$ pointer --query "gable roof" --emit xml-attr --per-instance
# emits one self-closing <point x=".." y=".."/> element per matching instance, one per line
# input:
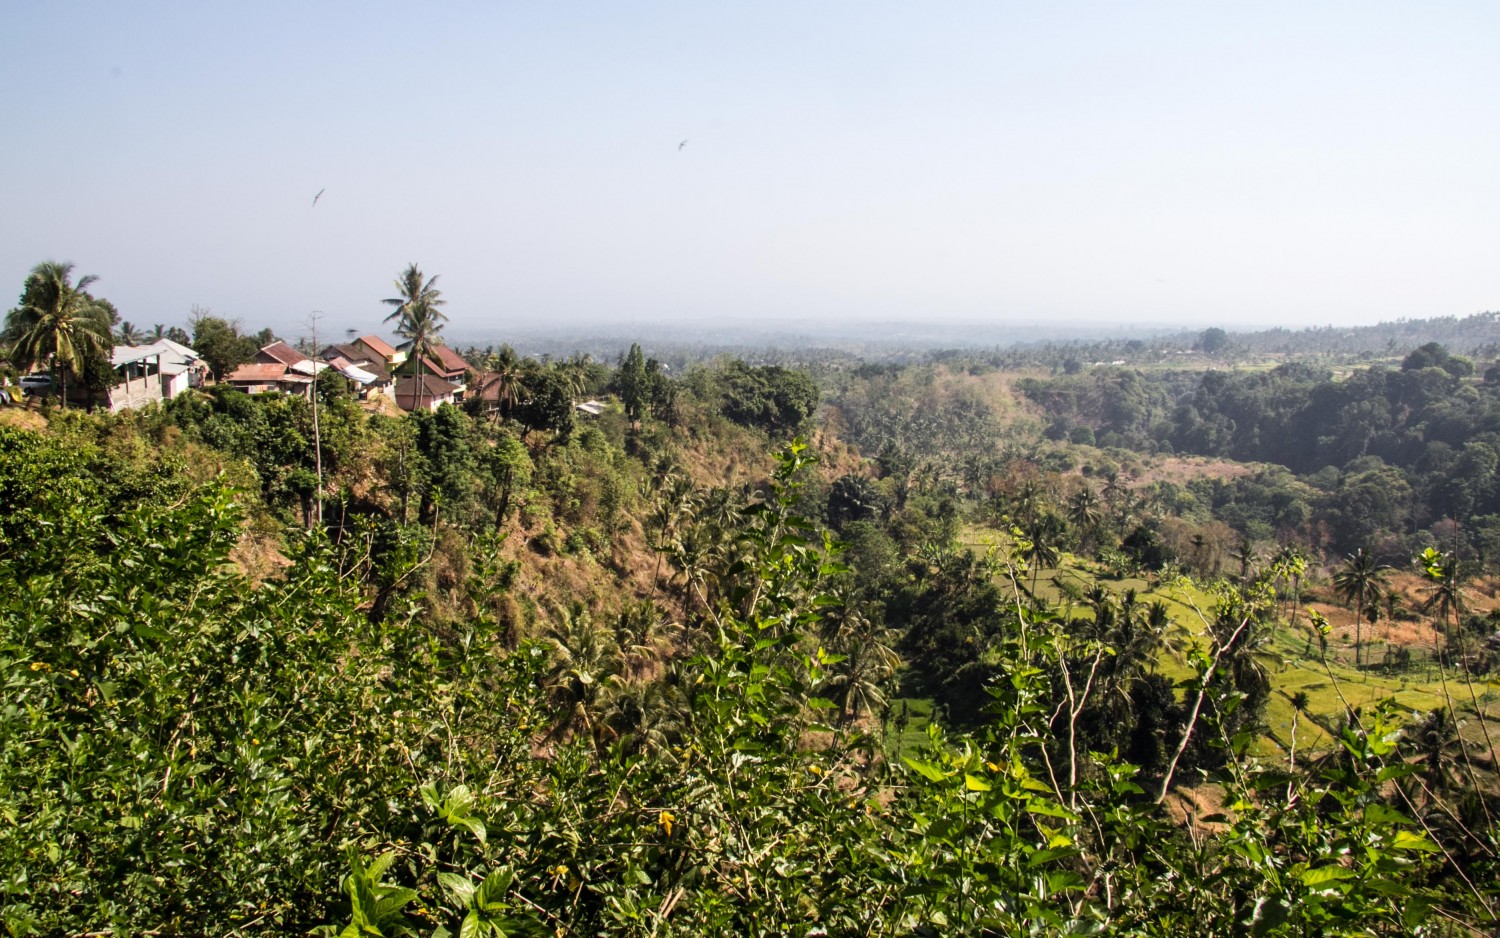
<point x="175" y="358"/>
<point x="283" y="353"/>
<point x="378" y="345"/>
<point x="361" y="356"/>
<point x="486" y="386"/>
<point x="432" y="387"/>
<point x="349" y="350"/>
<point x="451" y="360"/>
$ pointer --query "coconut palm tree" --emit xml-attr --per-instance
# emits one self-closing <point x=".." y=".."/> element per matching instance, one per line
<point x="643" y="636"/>
<point x="859" y="680"/>
<point x="1448" y="597"/>
<point x="1436" y="741"/>
<point x="644" y="717"/>
<point x="1359" y="581"/>
<point x="1042" y="545"/>
<point x="1086" y="514"/>
<point x="417" y="317"/>
<point x="58" y="322"/>
<point x="583" y="657"/>
<point x="507" y="377"/>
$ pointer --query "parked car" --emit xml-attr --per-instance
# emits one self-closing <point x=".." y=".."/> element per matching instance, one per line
<point x="36" y="384"/>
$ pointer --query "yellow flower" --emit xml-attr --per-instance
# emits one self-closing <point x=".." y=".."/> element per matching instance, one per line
<point x="665" y="820"/>
<point x="40" y="666"/>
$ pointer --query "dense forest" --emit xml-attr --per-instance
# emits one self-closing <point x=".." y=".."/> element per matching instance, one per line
<point x="955" y="646"/>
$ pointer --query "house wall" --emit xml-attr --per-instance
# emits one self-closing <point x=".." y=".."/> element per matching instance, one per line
<point x="136" y="392"/>
<point x="408" y="402"/>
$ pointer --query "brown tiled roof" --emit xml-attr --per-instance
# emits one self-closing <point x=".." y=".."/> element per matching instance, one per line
<point x="379" y="345"/>
<point x="431" y="365"/>
<point x="451" y="360"/>
<point x="283" y="353"/>
<point x="347" y="350"/>
<point x="485" y="386"/>
<point x="435" y="387"/>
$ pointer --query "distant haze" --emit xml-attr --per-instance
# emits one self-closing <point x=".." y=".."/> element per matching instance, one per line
<point x="1141" y="165"/>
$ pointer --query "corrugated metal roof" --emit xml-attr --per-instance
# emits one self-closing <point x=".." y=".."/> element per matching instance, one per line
<point x="283" y="353"/>
<point x="357" y="374"/>
<point x="258" y="372"/>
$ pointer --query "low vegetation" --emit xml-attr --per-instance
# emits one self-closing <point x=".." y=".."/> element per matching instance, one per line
<point x="929" y="660"/>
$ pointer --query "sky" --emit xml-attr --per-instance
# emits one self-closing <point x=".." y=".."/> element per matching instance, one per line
<point x="1275" y="163"/>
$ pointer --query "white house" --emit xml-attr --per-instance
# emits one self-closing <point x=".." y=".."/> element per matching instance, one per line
<point x="156" y="372"/>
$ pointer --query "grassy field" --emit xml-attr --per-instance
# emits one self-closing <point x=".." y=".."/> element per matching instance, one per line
<point x="1294" y="662"/>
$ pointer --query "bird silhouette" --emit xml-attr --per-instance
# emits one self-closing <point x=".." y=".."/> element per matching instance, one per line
<point x="319" y="195"/>
<point x="682" y="144"/>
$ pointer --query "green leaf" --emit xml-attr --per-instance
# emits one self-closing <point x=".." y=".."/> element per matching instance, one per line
<point x="926" y="769"/>
<point x="471" y="926"/>
<point x="1412" y="840"/>
<point x="1047" y="808"/>
<point x="459" y="886"/>
<point x="975" y="783"/>
<point x="1325" y="874"/>
<point x="493" y="890"/>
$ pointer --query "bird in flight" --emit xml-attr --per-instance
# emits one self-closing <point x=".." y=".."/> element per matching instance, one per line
<point x="319" y="195"/>
<point x="682" y="144"/>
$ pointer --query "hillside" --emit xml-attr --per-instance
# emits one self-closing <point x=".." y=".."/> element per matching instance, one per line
<point x="669" y="669"/>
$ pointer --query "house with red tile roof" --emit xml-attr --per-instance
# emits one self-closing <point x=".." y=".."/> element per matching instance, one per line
<point x="381" y="349"/>
<point x="444" y="363"/>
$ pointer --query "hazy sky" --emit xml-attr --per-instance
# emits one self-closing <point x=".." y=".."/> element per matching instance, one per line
<point x="1202" y="163"/>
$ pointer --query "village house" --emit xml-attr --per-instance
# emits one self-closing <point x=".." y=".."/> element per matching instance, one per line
<point x="378" y="348"/>
<point x="357" y="362"/>
<point x="156" y="372"/>
<point x="424" y="391"/>
<point x="444" y="363"/>
<point x="277" y="367"/>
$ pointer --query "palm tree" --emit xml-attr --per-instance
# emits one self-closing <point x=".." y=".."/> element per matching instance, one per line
<point x="128" y="334"/>
<point x="417" y="317"/>
<point x="643" y="635"/>
<point x="1247" y="555"/>
<point x="1086" y="515"/>
<point x="574" y="372"/>
<point x="1359" y="581"/>
<point x="58" y="322"/>
<point x="1042" y="546"/>
<point x="1435" y="738"/>
<point x="583" y="657"/>
<point x="869" y="663"/>
<point x="644" y="716"/>
<point x="159" y="332"/>
<point x="1447" y="596"/>
<point x="507" y="377"/>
